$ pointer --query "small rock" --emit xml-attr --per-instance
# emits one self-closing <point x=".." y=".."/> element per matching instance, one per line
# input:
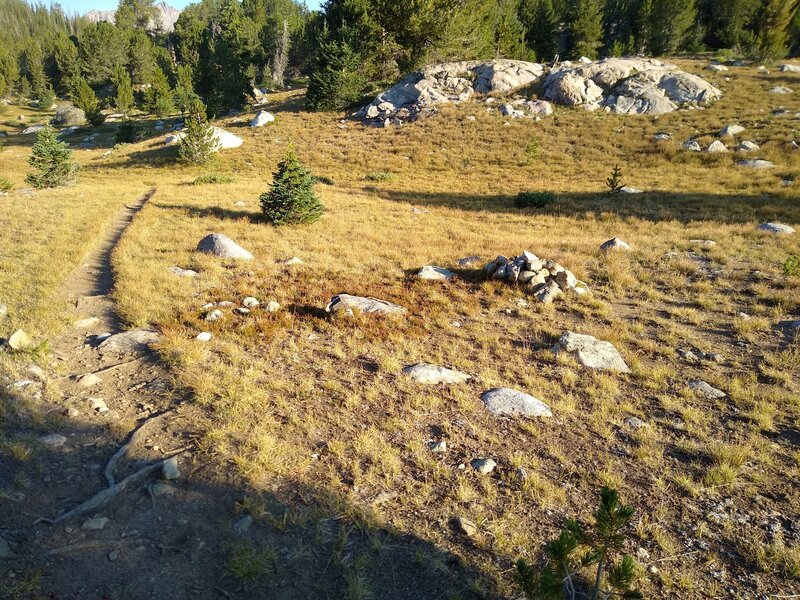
<point x="89" y="380"/>
<point x="19" y="340"/>
<point x="242" y="525"/>
<point x="548" y="293"/>
<point x="439" y="447"/>
<point x="511" y="402"/>
<point x="692" y="146"/>
<point x="703" y="242"/>
<point x="214" y="315"/>
<point x="71" y="412"/>
<point x="635" y="422"/>
<point x="85" y="323"/>
<point x="3" y="311"/>
<point x="780" y="89"/>
<point x="239" y="310"/>
<point x="162" y="489"/>
<point x="630" y="190"/>
<point x="250" y="302"/>
<point x="434" y="374"/>
<point x="431" y="273"/>
<point x="53" y="440"/>
<point x="731" y="130"/>
<point x="703" y="389"/>
<point x="169" y="469"/>
<point x="204" y="336"/>
<point x="464" y="526"/>
<point x="747" y="146"/>
<point x="777" y="228"/>
<point x="295" y="260"/>
<point x="98" y="405"/>
<point x="222" y="246"/>
<point x="273" y="306"/>
<point x="36" y="372"/>
<point x="591" y="352"/>
<point x="113" y="555"/>
<point x="183" y="272"/>
<point x="467" y="261"/>
<point x="5" y="550"/>
<point x="716" y="147"/>
<point x="614" y="244"/>
<point x="348" y="305"/>
<point x="484" y="466"/>
<point x="385" y="497"/>
<point x="95" y="524"/>
<point x="756" y="164"/>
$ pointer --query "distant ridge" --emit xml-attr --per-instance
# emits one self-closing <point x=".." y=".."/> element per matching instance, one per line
<point x="169" y="14"/>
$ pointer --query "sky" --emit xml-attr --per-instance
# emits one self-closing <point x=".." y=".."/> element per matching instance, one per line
<point x="82" y="6"/>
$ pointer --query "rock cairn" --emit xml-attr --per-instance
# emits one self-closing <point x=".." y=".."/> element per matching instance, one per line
<point x="545" y="279"/>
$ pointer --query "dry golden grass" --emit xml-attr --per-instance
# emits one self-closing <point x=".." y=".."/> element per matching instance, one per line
<point x="297" y="398"/>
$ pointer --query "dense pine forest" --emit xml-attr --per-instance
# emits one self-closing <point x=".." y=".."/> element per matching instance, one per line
<point x="221" y="49"/>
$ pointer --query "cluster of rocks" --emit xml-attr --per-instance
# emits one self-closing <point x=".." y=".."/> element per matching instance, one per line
<point x="544" y="278"/>
<point x="212" y="310"/>
<point x="619" y="85"/>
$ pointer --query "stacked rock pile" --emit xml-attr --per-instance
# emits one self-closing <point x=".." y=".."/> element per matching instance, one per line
<point x="545" y="279"/>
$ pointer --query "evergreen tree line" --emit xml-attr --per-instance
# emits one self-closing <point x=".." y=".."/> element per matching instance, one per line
<point x="220" y="49"/>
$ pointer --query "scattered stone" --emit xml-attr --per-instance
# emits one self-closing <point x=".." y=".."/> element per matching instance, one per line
<point x="484" y="466"/>
<point x="662" y="137"/>
<point x="98" y="405"/>
<point x="703" y="389"/>
<point x="5" y="550"/>
<point x="113" y="555"/>
<point x="731" y="130"/>
<point x="183" y="272"/>
<point x="755" y="164"/>
<point x="434" y="374"/>
<point x="130" y="342"/>
<point x="20" y="385"/>
<point x="780" y="89"/>
<point x="510" y="402"/>
<point x="54" y="440"/>
<point x="789" y="68"/>
<point x="349" y="305"/>
<point x="692" y="146"/>
<point x="32" y="129"/>
<point x="239" y="310"/>
<point x="548" y="293"/>
<point x="791" y="329"/>
<point x="467" y="261"/>
<point x="432" y="273"/>
<point x="273" y="306"/>
<point x="699" y="242"/>
<point x="69" y="116"/>
<point x="295" y="260"/>
<point x="89" y="380"/>
<point x="464" y="526"/>
<point x="242" y="525"/>
<point x="169" y="469"/>
<point x="3" y="311"/>
<point x="716" y="147"/>
<point x="19" y="341"/>
<point x="747" y="146"/>
<point x="717" y="68"/>
<point x="250" y="302"/>
<point x="635" y="422"/>
<point x="222" y="246"/>
<point x="614" y="244"/>
<point x="630" y="190"/>
<point x="95" y="524"/>
<point x="591" y="352"/>
<point x="545" y="279"/>
<point x="776" y="228"/>
<point x="86" y="323"/>
<point x="439" y="447"/>
<point x="385" y="497"/>
<point x="162" y="489"/>
<point x="203" y="336"/>
<point x="36" y="372"/>
<point x="262" y="118"/>
<point x="214" y="315"/>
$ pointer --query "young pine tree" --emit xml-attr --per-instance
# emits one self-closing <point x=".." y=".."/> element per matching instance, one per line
<point x="291" y="198"/>
<point x="337" y="80"/>
<point x="586" y="28"/>
<point x="83" y="97"/>
<point x="158" y="97"/>
<point x="198" y="142"/>
<point x="51" y="161"/>
<point x="124" y="87"/>
<point x="772" y="23"/>
<point x="184" y="89"/>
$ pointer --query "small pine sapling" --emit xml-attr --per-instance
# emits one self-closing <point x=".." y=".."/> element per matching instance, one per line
<point x="198" y="142"/>
<point x="614" y="182"/>
<point x="291" y="198"/>
<point x="579" y="547"/>
<point x="51" y="161"/>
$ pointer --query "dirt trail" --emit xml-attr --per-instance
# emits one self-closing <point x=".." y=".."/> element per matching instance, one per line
<point x="155" y="542"/>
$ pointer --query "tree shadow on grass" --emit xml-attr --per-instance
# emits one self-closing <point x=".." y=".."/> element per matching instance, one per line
<point x="206" y="534"/>
<point x="649" y="206"/>
<point x="216" y="212"/>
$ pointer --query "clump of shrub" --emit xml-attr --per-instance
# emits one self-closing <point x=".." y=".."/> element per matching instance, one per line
<point x="291" y="198"/>
<point x="324" y="180"/>
<point x="213" y="178"/>
<point x="791" y="268"/>
<point x="51" y="161"/>
<point x="531" y="150"/>
<point x="128" y="132"/>
<point x="534" y="199"/>
<point x="5" y="185"/>
<point x="379" y="176"/>
<point x="579" y="547"/>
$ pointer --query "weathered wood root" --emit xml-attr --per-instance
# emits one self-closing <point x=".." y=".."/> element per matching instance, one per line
<point x="108" y="472"/>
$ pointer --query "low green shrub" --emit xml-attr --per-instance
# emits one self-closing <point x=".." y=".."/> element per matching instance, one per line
<point x="213" y="178"/>
<point x="379" y="176"/>
<point x="5" y="185"/>
<point x="791" y="268"/>
<point x="534" y="199"/>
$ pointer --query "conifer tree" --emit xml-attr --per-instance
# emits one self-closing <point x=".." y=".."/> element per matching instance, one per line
<point x="123" y="100"/>
<point x="184" y="90"/>
<point x="83" y="97"/>
<point x="772" y="28"/>
<point x="541" y="25"/>
<point x="670" y="21"/>
<point x="337" y="80"/>
<point x="586" y="28"/>
<point x="33" y="59"/>
<point x="197" y="142"/>
<point x="291" y="198"/>
<point x="51" y="161"/>
<point x="158" y="97"/>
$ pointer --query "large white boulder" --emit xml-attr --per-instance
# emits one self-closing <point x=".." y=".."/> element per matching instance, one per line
<point x="218" y="244"/>
<point x="222" y="139"/>
<point x="503" y="401"/>
<point x="262" y="118"/>
<point x="350" y="305"/>
<point x="591" y="352"/>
